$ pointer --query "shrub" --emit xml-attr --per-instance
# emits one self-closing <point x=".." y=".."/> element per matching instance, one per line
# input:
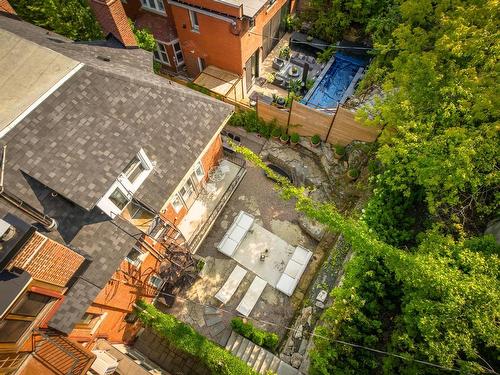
<point x="295" y="138"/>
<point x="339" y="150"/>
<point x="285" y="52"/>
<point x="143" y="37"/>
<point x="315" y="139"/>
<point x="183" y="337"/>
<point x="276" y="133"/>
<point x="258" y="336"/>
<point x="252" y="123"/>
<point x="285" y="137"/>
<point x="353" y="173"/>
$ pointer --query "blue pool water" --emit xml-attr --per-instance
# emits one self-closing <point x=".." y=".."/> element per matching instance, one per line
<point x="334" y="82"/>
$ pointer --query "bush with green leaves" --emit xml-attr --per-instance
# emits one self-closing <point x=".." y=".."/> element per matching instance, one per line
<point x="295" y="138"/>
<point x="184" y="338"/>
<point x="277" y="132"/>
<point x="71" y="18"/>
<point x="285" y="137"/>
<point x="250" y="121"/>
<point x="258" y="336"/>
<point x="143" y="37"/>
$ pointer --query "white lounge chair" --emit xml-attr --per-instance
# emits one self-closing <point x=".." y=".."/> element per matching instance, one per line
<point x="235" y="234"/>
<point x="294" y="270"/>
<point x="233" y="281"/>
<point x="251" y="296"/>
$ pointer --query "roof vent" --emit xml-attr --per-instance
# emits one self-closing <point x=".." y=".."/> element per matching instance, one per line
<point x="7" y="231"/>
<point x="104" y="58"/>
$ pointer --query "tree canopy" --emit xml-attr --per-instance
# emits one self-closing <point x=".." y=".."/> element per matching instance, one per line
<point x="72" y="18"/>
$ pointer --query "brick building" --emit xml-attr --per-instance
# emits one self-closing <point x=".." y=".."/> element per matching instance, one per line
<point x="103" y="158"/>
<point x="234" y="35"/>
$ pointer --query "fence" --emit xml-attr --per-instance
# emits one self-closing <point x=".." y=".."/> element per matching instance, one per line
<point x="337" y="128"/>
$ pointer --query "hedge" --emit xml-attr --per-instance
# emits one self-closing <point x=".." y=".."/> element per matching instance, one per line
<point x="253" y="124"/>
<point x="258" y="336"/>
<point x="182" y="336"/>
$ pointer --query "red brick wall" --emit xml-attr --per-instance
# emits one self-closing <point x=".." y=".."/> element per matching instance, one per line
<point x="214" y="42"/>
<point x="112" y="18"/>
<point x="6" y="7"/>
<point x="208" y="160"/>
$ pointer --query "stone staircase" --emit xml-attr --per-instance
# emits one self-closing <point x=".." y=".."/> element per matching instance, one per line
<point x="258" y="358"/>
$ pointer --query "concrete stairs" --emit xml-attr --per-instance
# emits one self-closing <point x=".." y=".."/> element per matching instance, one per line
<point x="258" y="358"/>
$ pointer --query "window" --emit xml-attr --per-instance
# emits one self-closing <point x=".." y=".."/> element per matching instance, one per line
<point x="18" y="321"/>
<point x="160" y="54"/>
<point x="193" y="16"/>
<point x="31" y="304"/>
<point x="153" y="5"/>
<point x="177" y="203"/>
<point x="202" y="64"/>
<point x="187" y="190"/>
<point x="198" y="171"/>
<point x="271" y="3"/>
<point x="136" y="257"/>
<point x="155" y="281"/>
<point x="179" y="57"/>
<point x="134" y="169"/>
<point x="12" y="330"/>
<point x="119" y="199"/>
<point x="126" y="184"/>
<point x="87" y="319"/>
<point x="251" y="23"/>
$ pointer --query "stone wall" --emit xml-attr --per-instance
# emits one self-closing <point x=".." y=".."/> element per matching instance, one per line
<point x="159" y="350"/>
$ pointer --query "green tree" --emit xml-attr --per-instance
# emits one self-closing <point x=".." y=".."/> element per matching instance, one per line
<point x="143" y="37"/>
<point x="70" y="18"/>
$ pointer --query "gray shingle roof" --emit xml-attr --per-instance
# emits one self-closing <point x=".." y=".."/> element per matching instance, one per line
<point x="67" y="152"/>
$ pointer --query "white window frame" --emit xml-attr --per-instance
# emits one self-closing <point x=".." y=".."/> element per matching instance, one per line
<point x="126" y="187"/>
<point x="178" y="207"/>
<point x="162" y="60"/>
<point x="177" y="61"/>
<point x="150" y="282"/>
<point x="195" y="26"/>
<point x="199" y="167"/>
<point x="200" y="65"/>
<point x="140" y="259"/>
<point x="156" y="7"/>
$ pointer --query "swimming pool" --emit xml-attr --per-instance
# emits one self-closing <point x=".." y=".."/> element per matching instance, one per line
<point x="336" y="82"/>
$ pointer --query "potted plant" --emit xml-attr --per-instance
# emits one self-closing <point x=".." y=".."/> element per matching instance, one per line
<point x="339" y="151"/>
<point x="353" y="173"/>
<point x="284" y="138"/>
<point x="276" y="133"/>
<point x="294" y="139"/>
<point x="280" y="101"/>
<point x="315" y="140"/>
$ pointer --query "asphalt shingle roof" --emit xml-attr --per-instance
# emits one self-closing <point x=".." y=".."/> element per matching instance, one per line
<point x="69" y="150"/>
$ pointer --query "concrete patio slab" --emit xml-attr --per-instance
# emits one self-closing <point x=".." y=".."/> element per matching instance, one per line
<point x="256" y="242"/>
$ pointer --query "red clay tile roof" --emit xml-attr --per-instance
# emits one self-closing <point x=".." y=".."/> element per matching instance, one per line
<point x="162" y="27"/>
<point x="47" y="260"/>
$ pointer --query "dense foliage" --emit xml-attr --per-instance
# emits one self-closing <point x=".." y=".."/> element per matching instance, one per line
<point x="260" y="337"/>
<point x="182" y="336"/>
<point x="70" y="18"/>
<point x="424" y="284"/>
<point x="143" y="37"/>
<point x="438" y="302"/>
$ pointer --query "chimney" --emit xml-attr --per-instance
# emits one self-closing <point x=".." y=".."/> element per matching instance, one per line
<point x="113" y="20"/>
<point x="6" y="7"/>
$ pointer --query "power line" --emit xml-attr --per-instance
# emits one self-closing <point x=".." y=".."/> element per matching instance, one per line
<point x="342" y="342"/>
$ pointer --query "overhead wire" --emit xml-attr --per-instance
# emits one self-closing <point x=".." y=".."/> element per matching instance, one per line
<point x="313" y="334"/>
